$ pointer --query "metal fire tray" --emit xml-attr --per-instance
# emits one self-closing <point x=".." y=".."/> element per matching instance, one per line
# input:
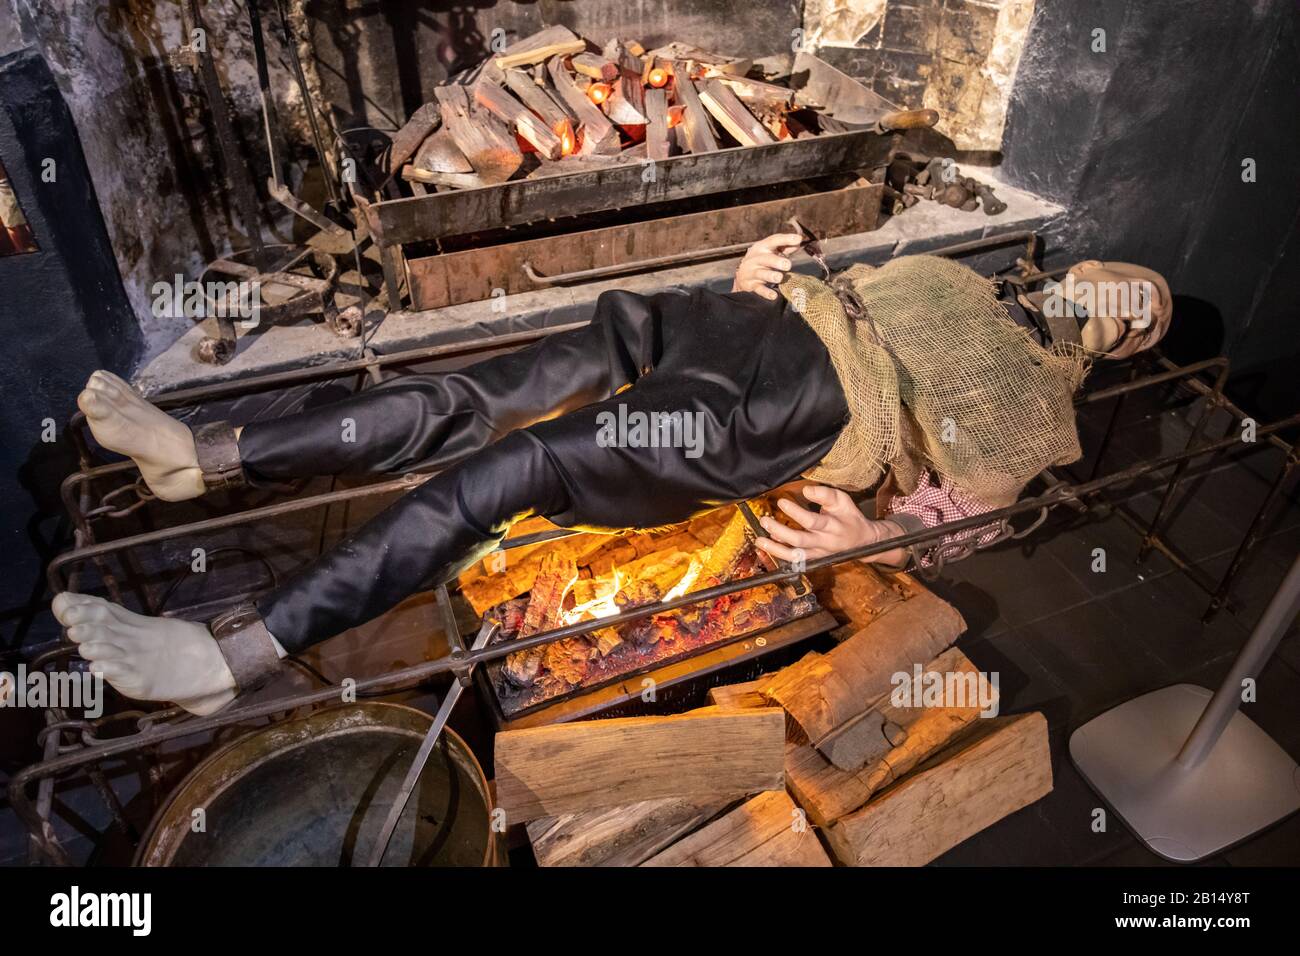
<point x="517" y="202"/>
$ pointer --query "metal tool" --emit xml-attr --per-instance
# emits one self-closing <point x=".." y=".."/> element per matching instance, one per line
<point x="848" y="101"/>
<point x="435" y="729"/>
<point x="798" y="586"/>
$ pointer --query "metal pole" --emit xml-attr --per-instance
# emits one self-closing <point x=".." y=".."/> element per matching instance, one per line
<point x="1263" y="641"/>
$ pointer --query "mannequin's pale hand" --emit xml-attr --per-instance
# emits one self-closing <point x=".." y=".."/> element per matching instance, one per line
<point x="839" y="526"/>
<point x="765" y="264"/>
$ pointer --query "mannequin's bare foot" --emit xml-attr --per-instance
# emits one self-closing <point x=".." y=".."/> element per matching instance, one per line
<point x="161" y="447"/>
<point x="148" y="658"/>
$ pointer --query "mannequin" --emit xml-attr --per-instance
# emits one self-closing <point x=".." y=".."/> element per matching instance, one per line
<point x="511" y="437"/>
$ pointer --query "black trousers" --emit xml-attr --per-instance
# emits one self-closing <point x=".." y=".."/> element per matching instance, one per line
<point x="663" y="407"/>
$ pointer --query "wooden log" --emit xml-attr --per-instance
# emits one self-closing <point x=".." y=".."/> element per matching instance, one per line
<point x="684" y="51"/>
<point x="1004" y="765"/>
<point x="616" y="836"/>
<point x="736" y="68"/>
<point x="413" y="174"/>
<point x="822" y="692"/>
<point x="619" y="52"/>
<point x="522" y="120"/>
<point x="596" y="67"/>
<point x="536" y="97"/>
<point x="732" y="116"/>
<point x="439" y="154"/>
<point x="695" y="120"/>
<point x="827" y="792"/>
<point x="554" y="41"/>
<point x="487" y="144"/>
<point x="758" y="93"/>
<point x="626" y="104"/>
<point x="857" y="593"/>
<point x="407" y="140"/>
<point x="768" y="830"/>
<point x="748" y="694"/>
<point x="598" y="133"/>
<point x="587" y="765"/>
<point x="545" y="612"/>
<point x="865" y="739"/>
<point x="633" y="155"/>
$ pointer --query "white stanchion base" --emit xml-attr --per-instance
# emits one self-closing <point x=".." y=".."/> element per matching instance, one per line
<point x="1246" y="783"/>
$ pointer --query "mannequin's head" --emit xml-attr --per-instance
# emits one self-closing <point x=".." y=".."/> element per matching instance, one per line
<point x="1128" y="307"/>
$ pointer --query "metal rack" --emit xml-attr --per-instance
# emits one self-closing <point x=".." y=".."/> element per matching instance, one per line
<point x="71" y="743"/>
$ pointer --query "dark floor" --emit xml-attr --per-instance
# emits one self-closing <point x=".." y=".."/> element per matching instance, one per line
<point x="1063" y="639"/>
<point x="1073" y="643"/>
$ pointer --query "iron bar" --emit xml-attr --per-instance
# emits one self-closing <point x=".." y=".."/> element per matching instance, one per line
<point x="1059" y="494"/>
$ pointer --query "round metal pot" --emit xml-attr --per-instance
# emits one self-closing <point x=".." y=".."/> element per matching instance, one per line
<point x="314" y="791"/>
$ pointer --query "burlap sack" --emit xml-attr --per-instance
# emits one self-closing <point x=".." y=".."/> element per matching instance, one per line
<point x="937" y="377"/>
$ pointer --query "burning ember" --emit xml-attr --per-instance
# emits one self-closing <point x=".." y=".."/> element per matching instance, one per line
<point x="598" y="92"/>
<point x="587" y="578"/>
<point x="564" y="130"/>
<point x="657" y="77"/>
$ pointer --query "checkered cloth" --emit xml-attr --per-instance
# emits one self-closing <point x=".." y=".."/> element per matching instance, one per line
<point x="937" y="501"/>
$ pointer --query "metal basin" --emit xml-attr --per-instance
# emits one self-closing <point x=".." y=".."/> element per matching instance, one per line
<point x="314" y="791"/>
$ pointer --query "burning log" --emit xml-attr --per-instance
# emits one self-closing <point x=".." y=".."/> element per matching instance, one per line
<point x="486" y="143"/>
<point x="731" y="114"/>
<point x="626" y="105"/>
<point x="523" y="121"/>
<point x="656" y="137"/>
<point x="554" y="41"/>
<point x="695" y="128"/>
<point x="725" y="555"/>
<point x="598" y="133"/>
<point x="545" y="613"/>
<point x="656" y="74"/>
<point x="537" y="98"/>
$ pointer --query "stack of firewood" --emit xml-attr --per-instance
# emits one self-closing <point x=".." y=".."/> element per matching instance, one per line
<point x="552" y="103"/>
<point x="817" y="763"/>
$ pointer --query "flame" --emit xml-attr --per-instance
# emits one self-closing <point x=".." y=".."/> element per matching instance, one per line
<point x="675" y="114"/>
<point x="598" y="607"/>
<point x="687" y="580"/>
<point x="564" y="130"/>
<point x="658" y="77"/>
<point x="598" y="92"/>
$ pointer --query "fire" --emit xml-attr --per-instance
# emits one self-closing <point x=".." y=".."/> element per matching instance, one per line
<point x="675" y="114"/>
<point x="598" y="92"/>
<point x="658" y="77"/>
<point x="564" y="130"/>
<point x="601" y="606"/>
<point x="687" y="582"/>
